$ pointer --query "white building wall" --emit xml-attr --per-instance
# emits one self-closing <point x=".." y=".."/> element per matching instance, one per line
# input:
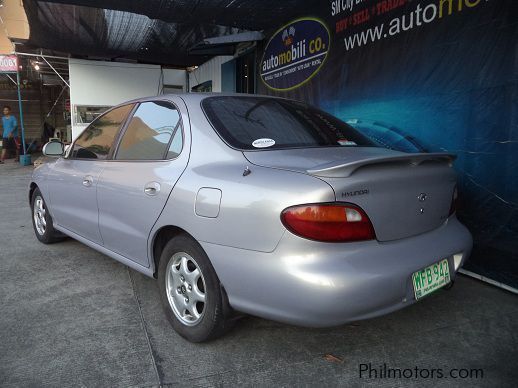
<point x="209" y="71"/>
<point x="175" y="77"/>
<point x="111" y="83"/>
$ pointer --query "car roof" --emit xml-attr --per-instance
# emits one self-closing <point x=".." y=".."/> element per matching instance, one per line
<point x="195" y="97"/>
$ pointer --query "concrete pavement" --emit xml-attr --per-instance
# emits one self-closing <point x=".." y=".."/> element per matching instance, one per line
<point x="70" y="316"/>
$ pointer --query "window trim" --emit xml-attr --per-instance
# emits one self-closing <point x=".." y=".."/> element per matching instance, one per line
<point x="110" y="154"/>
<point x="123" y="129"/>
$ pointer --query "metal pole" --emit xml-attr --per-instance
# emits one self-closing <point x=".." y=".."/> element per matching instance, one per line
<point x="8" y="76"/>
<point x="40" y="55"/>
<point x="55" y="71"/>
<point x="21" y="112"/>
<point x="55" y="102"/>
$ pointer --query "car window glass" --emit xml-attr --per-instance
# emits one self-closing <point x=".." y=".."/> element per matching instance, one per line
<point x="176" y="145"/>
<point x="149" y="132"/>
<point x="252" y="123"/>
<point x="96" y="140"/>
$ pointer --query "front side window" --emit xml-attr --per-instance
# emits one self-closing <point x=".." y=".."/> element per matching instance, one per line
<point x="251" y="123"/>
<point x="96" y="140"/>
<point x="149" y="132"/>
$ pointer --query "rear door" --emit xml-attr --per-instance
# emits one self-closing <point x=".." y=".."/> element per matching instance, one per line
<point x="134" y="186"/>
<point x="73" y="180"/>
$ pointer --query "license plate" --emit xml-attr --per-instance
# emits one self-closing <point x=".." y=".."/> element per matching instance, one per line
<point x="431" y="278"/>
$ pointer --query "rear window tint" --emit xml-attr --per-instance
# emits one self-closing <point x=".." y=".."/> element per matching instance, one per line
<point x="252" y="123"/>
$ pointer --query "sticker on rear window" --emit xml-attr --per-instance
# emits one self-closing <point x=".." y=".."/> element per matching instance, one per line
<point x="263" y="143"/>
<point x="346" y="142"/>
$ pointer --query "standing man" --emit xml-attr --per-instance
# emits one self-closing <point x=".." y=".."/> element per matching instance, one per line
<point x="10" y="127"/>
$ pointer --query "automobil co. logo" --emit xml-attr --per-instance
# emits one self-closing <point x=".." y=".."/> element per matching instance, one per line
<point x="294" y="54"/>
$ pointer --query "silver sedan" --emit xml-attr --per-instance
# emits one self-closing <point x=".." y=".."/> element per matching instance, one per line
<point x="252" y="204"/>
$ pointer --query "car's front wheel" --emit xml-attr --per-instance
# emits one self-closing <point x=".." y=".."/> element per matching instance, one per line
<point x="42" y="221"/>
<point x="190" y="291"/>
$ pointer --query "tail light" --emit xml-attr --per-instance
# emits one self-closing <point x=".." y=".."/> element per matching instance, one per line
<point x="328" y="222"/>
<point x="453" y="206"/>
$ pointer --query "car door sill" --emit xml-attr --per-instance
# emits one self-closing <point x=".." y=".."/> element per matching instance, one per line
<point x="137" y="267"/>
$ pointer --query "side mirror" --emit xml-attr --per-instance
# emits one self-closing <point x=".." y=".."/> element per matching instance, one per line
<point x="53" y="149"/>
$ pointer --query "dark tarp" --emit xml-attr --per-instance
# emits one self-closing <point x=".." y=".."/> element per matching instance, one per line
<point x="447" y="83"/>
<point x="152" y="31"/>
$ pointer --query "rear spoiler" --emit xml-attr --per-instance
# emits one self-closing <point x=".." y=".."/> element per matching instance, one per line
<point x="341" y="170"/>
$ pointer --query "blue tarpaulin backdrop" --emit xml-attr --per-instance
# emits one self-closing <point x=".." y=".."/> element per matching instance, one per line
<point x="443" y="75"/>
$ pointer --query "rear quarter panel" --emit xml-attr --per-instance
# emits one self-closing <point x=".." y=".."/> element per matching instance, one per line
<point x="249" y="214"/>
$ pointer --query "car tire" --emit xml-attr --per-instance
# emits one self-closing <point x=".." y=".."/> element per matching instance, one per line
<point x="42" y="220"/>
<point x="190" y="291"/>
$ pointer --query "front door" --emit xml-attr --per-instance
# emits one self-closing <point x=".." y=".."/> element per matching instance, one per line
<point x="73" y="180"/>
<point x="134" y="186"/>
<point x="72" y="186"/>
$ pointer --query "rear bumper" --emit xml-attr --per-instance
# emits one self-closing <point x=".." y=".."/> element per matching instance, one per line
<point x="326" y="284"/>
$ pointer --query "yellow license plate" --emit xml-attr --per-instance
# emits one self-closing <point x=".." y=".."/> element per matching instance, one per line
<point x="431" y="278"/>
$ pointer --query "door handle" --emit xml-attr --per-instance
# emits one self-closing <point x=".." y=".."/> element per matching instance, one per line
<point x="152" y="188"/>
<point x="87" y="181"/>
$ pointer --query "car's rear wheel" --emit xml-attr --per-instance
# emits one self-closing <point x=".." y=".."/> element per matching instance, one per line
<point x="42" y="220"/>
<point x="190" y="291"/>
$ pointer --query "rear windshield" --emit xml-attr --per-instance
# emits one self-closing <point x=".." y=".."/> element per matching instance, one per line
<point x="252" y="123"/>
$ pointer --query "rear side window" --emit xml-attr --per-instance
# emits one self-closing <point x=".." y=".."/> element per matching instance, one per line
<point x="96" y="140"/>
<point x="176" y="145"/>
<point x="149" y="133"/>
<point x="251" y="123"/>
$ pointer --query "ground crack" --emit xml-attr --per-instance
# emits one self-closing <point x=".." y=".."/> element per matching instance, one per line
<point x="143" y="323"/>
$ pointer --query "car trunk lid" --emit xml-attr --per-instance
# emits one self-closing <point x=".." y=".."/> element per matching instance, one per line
<point x="403" y="194"/>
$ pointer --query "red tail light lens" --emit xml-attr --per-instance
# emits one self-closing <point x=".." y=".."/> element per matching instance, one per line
<point x="453" y="206"/>
<point x="328" y="222"/>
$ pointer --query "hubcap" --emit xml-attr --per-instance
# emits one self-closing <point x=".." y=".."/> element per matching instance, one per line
<point x="185" y="288"/>
<point x="39" y="212"/>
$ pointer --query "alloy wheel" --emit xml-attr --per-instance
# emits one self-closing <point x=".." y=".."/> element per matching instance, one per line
<point x="185" y="287"/>
<point x="39" y="212"/>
